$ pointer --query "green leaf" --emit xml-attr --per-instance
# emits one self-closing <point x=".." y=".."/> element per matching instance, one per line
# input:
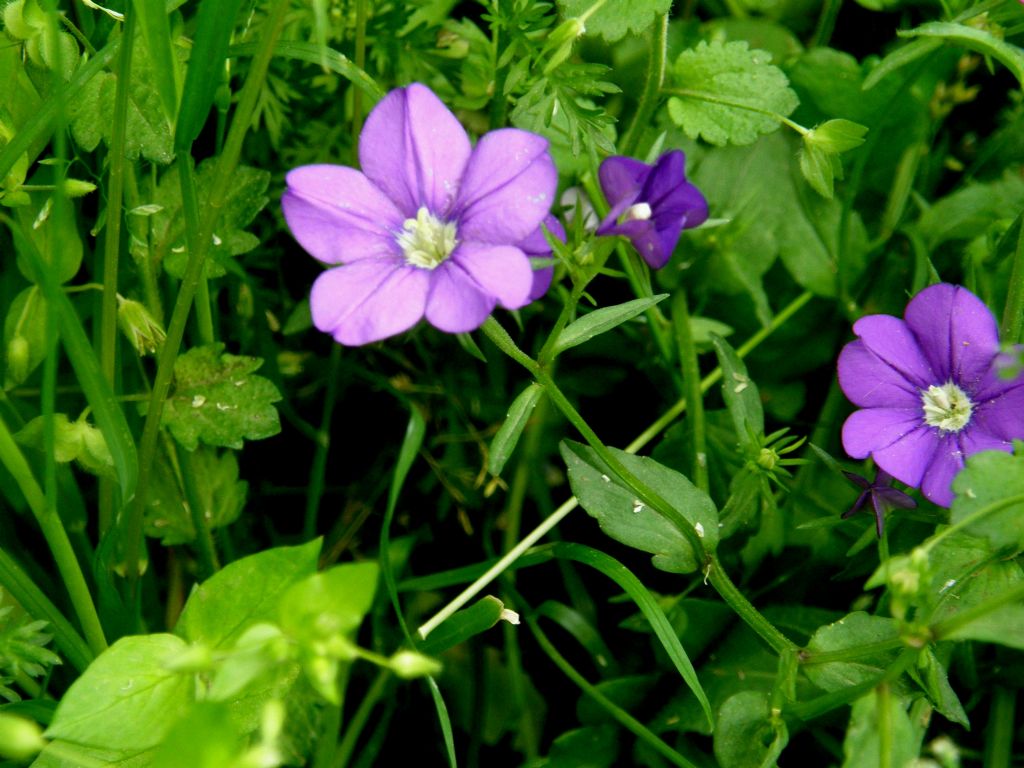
<point x="54" y="234"/>
<point x="992" y="478"/>
<point x="980" y="40"/>
<point x="852" y="631"/>
<point x="931" y="675"/>
<point x="205" y="738"/>
<point x="464" y="624"/>
<point x="729" y="94"/>
<point x="591" y="747"/>
<point x="1003" y="626"/>
<point x="624" y="518"/>
<point x="740" y="394"/>
<point x="614" y="19"/>
<point x="820" y="169"/>
<point x="899" y="58"/>
<point x="244" y="593"/>
<point x="214" y="24"/>
<point x="601" y="320"/>
<point x="156" y="31"/>
<point x="746" y="736"/>
<point x="972" y="210"/>
<point x="246" y="198"/>
<point x="217" y="399"/>
<point x="127" y="699"/>
<point x="837" y="136"/>
<point x="148" y="130"/>
<point x="167" y="516"/>
<point x="508" y="434"/>
<point x="863" y="743"/>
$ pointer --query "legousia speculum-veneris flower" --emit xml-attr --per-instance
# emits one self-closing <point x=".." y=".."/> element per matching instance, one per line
<point x="429" y="228"/>
<point x="929" y="390"/>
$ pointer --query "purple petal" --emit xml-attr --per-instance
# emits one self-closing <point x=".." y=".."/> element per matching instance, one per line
<point x="338" y="215"/>
<point x="502" y="271"/>
<point x="857" y="479"/>
<point x="870" y="429"/>
<point x="870" y="382"/>
<point x="948" y="460"/>
<point x="892" y="342"/>
<point x="542" y="278"/>
<point x="415" y="150"/>
<point x="508" y="187"/>
<point x="368" y="300"/>
<point x="536" y="244"/>
<point x="622" y="179"/>
<point x="956" y="331"/>
<point x="908" y="457"/>
<point x="1002" y="415"/>
<point x="456" y="304"/>
<point x="670" y="195"/>
<point x="895" y="498"/>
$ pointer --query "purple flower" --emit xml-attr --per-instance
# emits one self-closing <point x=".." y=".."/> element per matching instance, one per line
<point x="430" y="226"/>
<point x="651" y="205"/>
<point x="882" y="495"/>
<point x="929" y="391"/>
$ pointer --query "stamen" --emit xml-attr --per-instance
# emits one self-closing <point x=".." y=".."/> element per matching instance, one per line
<point x="947" y="407"/>
<point x="426" y="241"/>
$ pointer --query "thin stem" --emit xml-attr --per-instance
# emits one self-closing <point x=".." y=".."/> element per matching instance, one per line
<point x="620" y="715"/>
<point x="652" y="88"/>
<point x="692" y="385"/>
<point x="205" y="548"/>
<point x="317" y="472"/>
<point x="57" y="539"/>
<point x="1000" y="728"/>
<point x="743" y="608"/>
<point x="362" y="715"/>
<point x="971" y="519"/>
<point x="886" y="737"/>
<point x="223" y="178"/>
<point x="190" y="208"/>
<point x="1013" y="313"/>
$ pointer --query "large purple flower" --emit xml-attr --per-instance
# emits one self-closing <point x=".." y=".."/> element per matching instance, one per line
<point x="650" y="204"/>
<point x="430" y="226"/>
<point x="929" y="390"/>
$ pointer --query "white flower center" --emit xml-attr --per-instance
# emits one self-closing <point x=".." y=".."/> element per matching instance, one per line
<point x="947" y="407"/>
<point x="426" y="241"/>
<point x="638" y="212"/>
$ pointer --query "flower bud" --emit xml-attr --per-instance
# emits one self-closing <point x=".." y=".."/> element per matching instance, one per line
<point x="20" y="738"/>
<point x="409" y="664"/>
<point x="141" y="328"/>
<point x="18" y="359"/>
<point x="77" y="187"/>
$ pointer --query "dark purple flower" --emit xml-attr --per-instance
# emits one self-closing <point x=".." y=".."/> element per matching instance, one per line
<point x="929" y="390"/>
<point x="430" y="226"/>
<point x="537" y="248"/>
<point x="650" y="204"/>
<point x="882" y="495"/>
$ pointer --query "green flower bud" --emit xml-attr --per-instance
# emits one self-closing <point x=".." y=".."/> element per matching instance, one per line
<point x="20" y="739"/>
<point x="18" y="359"/>
<point x="409" y="664"/>
<point x="77" y="187"/>
<point x="142" y="330"/>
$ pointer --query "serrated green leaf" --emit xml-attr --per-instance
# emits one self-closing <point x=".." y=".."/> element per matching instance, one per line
<point x="508" y="434"/>
<point x="624" y="518"/>
<point x="217" y="399"/>
<point x="616" y="18"/>
<point x="167" y="516"/>
<point x="127" y="699"/>
<point x="244" y="593"/>
<point x="148" y="130"/>
<point x="246" y="198"/>
<point x="989" y="478"/>
<point x="602" y="320"/>
<point x="728" y="94"/>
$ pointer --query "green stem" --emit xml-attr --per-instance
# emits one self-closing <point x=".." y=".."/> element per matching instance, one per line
<point x="38" y="606"/>
<point x="886" y="737"/>
<point x="826" y="23"/>
<point x="620" y="715"/>
<point x="1000" y="728"/>
<point x="850" y="654"/>
<point x="808" y="710"/>
<point x="743" y="608"/>
<point x="358" y="721"/>
<point x="190" y="208"/>
<point x="692" y="385"/>
<point x="205" y="548"/>
<point x="652" y="88"/>
<point x="360" y="60"/>
<point x="317" y="473"/>
<point x="712" y="98"/>
<point x="57" y="539"/>
<point x="330" y="729"/>
<point x="222" y="180"/>
<point x="1013" y="312"/>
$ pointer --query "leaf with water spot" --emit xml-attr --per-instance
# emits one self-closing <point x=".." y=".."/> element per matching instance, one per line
<point x="218" y="400"/>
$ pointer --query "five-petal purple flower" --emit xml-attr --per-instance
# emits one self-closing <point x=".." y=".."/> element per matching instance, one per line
<point x="651" y="205"/>
<point x="430" y="226"/>
<point x="929" y="391"/>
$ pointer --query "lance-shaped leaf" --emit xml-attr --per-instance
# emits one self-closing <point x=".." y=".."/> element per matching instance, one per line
<point x="601" y="320"/>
